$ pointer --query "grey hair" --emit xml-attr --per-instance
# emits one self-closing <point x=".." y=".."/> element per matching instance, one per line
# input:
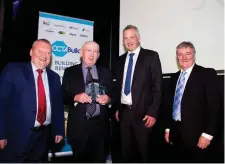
<point x="128" y="27"/>
<point x="85" y="43"/>
<point x="90" y="42"/>
<point x="185" y="44"/>
<point x="42" y="40"/>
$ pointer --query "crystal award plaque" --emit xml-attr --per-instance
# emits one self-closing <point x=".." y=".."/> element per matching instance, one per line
<point x="94" y="88"/>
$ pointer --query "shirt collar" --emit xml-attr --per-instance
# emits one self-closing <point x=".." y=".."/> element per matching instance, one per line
<point x="34" y="68"/>
<point x="188" y="70"/>
<point x="136" y="51"/>
<point x="84" y="66"/>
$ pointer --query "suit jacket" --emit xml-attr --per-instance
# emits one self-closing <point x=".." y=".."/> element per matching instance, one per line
<point x="73" y="84"/>
<point x="199" y="104"/>
<point x="146" y="84"/>
<point x="18" y="106"/>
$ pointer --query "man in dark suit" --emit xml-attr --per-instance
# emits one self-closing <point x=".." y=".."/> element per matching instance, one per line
<point x="31" y="108"/>
<point x="195" y="107"/>
<point x="138" y="81"/>
<point x="87" y="119"/>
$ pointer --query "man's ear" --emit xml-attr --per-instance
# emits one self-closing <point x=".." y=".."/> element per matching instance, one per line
<point x="139" y="38"/>
<point x="31" y="52"/>
<point x="98" y="55"/>
<point x="81" y="52"/>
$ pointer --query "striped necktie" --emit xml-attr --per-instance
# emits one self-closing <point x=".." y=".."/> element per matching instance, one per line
<point x="178" y="96"/>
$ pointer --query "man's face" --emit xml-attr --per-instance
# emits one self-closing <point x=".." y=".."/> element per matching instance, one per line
<point x="90" y="53"/>
<point x="131" y="40"/>
<point x="185" y="57"/>
<point x="41" y="54"/>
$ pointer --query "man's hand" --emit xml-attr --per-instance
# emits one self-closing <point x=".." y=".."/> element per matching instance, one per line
<point x="82" y="98"/>
<point x="103" y="99"/>
<point x="203" y="142"/>
<point x="149" y="121"/>
<point x="58" y="139"/>
<point x="117" y="116"/>
<point x="167" y="137"/>
<point x="3" y="144"/>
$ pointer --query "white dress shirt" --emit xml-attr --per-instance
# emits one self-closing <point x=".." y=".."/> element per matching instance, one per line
<point x="46" y="87"/>
<point x="127" y="99"/>
<point x="209" y="137"/>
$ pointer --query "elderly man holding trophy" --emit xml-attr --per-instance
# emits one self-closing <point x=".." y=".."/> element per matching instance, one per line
<point x="87" y="90"/>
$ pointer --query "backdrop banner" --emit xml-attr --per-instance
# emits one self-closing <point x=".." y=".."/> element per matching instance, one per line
<point x="66" y="35"/>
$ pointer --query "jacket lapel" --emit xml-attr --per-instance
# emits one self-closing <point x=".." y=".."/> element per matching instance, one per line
<point x="138" y="66"/>
<point x="121" y="71"/>
<point x="135" y="86"/>
<point x="189" y="81"/>
<point x="80" y="77"/>
<point x="99" y="74"/>
<point x="50" y="84"/>
<point x="174" y="82"/>
<point x="29" y="76"/>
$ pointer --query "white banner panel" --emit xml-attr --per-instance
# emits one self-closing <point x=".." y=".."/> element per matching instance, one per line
<point x="66" y="35"/>
<point x="163" y="24"/>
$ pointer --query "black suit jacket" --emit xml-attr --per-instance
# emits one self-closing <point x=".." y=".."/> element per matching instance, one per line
<point x="199" y="104"/>
<point x="73" y="84"/>
<point x="146" y="83"/>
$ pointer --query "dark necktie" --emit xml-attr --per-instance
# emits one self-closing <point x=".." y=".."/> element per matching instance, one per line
<point x="41" y="117"/>
<point x="127" y="86"/>
<point x="91" y="108"/>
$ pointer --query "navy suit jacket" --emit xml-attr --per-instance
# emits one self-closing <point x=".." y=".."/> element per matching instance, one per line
<point x="18" y="105"/>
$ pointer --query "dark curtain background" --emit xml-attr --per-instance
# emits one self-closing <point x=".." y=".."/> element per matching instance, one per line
<point x="22" y="29"/>
<point x="2" y="11"/>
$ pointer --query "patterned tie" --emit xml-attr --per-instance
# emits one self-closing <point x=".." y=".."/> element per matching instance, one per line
<point x="127" y="86"/>
<point x="91" y="108"/>
<point x="41" y="117"/>
<point x="178" y="96"/>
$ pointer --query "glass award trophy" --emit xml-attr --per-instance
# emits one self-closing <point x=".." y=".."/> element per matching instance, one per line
<point x="94" y="88"/>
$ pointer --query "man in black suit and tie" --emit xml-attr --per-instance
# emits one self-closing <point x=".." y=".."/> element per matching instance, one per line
<point x="195" y="107"/>
<point x="87" y="120"/>
<point x="138" y="79"/>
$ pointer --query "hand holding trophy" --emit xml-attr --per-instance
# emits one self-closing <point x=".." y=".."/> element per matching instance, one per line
<point x="95" y="89"/>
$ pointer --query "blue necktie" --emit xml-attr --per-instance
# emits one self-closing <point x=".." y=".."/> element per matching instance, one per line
<point x="127" y="86"/>
<point x="178" y="96"/>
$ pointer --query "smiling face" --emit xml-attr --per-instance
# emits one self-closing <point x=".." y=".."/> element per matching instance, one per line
<point x="131" y="39"/>
<point x="41" y="54"/>
<point x="90" y="53"/>
<point x="185" y="57"/>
